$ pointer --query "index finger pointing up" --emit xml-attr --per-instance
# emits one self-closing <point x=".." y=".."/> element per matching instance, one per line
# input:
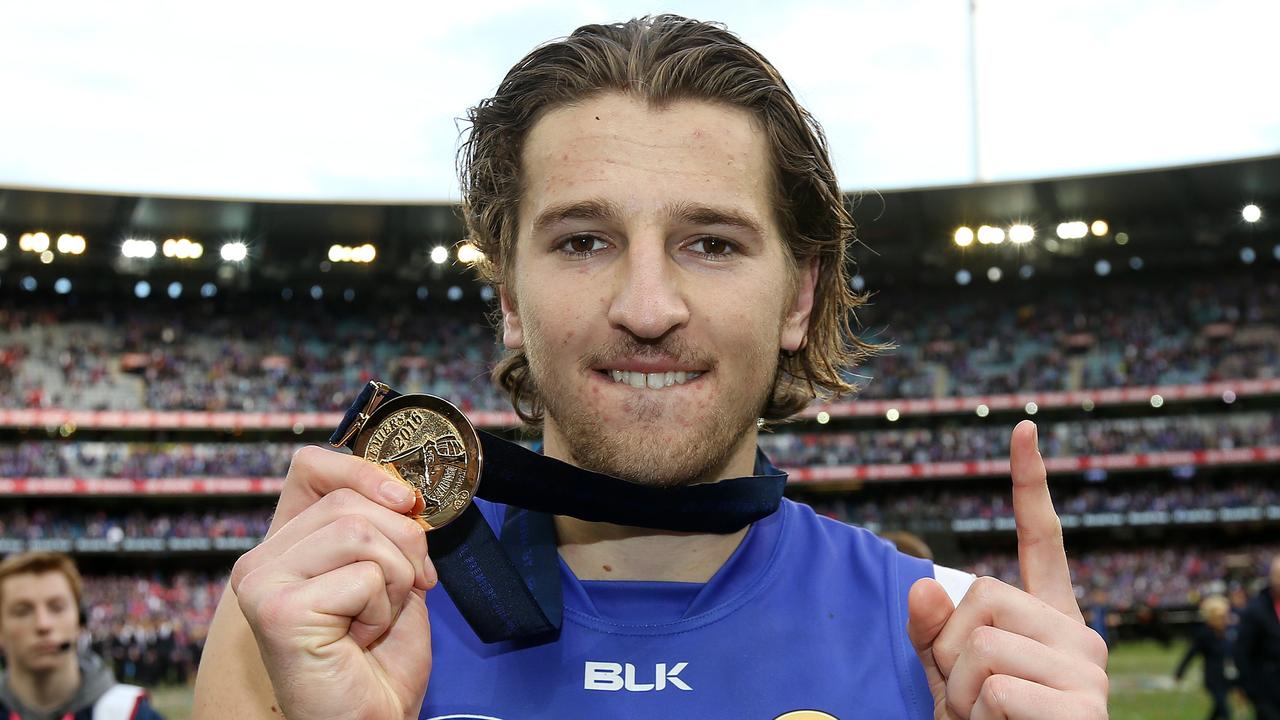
<point x="1041" y="556"/>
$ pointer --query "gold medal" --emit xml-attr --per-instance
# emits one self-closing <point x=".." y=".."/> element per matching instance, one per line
<point x="428" y="444"/>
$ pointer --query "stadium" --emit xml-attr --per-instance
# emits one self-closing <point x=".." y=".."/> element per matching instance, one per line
<point x="162" y="357"/>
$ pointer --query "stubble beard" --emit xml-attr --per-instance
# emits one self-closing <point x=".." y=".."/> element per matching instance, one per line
<point x="651" y="458"/>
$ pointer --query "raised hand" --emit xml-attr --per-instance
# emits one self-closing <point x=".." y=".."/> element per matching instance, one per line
<point x="334" y="597"/>
<point x="1010" y="653"/>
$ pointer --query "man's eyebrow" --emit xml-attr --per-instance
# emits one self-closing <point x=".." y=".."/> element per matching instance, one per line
<point x="582" y="210"/>
<point x="692" y="214"/>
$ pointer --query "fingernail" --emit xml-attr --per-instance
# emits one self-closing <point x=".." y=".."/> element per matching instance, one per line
<point x="1035" y="435"/>
<point x="394" y="492"/>
<point x="429" y="569"/>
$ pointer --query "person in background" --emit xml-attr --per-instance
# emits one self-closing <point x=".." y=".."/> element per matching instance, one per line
<point x="1258" y="648"/>
<point x="1098" y="614"/>
<point x="40" y="621"/>
<point x="909" y="543"/>
<point x="1212" y="640"/>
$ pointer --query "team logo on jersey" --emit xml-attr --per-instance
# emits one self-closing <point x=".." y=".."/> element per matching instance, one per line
<point x="806" y="715"/>
<point x="612" y="677"/>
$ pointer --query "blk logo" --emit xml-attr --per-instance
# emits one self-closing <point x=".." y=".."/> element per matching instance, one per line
<point x="613" y="677"/>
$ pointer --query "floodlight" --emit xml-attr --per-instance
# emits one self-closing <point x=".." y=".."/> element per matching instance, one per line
<point x="234" y="251"/>
<point x="364" y="254"/>
<point x="69" y="244"/>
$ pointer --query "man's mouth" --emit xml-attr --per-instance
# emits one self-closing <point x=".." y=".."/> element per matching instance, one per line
<point x="650" y="380"/>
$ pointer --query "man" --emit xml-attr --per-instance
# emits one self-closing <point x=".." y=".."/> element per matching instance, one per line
<point x="1258" y="648"/>
<point x="1213" y="642"/>
<point x="669" y="241"/>
<point x="40" y="596"/>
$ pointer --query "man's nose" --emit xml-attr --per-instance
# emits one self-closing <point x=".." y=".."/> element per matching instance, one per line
<point x="44" y="619"/>
<point x="649" y="299"/>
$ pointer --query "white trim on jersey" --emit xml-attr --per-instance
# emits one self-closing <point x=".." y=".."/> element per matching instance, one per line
<point x="955" y="582"/>
<point x="118" y="703"/>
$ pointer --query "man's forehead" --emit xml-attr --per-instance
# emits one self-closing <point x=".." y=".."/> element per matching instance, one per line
<point x="34" y="587"/>
<point x="639" y="155"/>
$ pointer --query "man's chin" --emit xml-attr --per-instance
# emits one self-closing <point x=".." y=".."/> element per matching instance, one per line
<point x="653" y="460"/>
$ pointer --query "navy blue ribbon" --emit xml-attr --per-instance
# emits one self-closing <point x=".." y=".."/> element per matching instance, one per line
<point x="510" y="589"/>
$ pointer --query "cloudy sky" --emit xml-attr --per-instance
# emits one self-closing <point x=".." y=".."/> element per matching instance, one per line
<point x="316" y="100"/>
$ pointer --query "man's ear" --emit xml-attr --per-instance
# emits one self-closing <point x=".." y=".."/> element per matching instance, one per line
<point x="512" y="329"/>
<point x="795" y="325"/>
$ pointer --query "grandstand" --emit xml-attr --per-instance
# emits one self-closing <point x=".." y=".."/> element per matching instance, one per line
<point x="149" y="405"/>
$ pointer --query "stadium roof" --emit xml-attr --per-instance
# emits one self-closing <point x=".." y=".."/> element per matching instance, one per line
<point x="1188" y="208"/>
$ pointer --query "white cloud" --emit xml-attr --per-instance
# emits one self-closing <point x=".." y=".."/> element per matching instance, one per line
<point x="338" y="101"/>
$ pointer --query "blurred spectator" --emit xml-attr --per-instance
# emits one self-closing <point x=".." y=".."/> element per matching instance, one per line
<point x="47" y="675"/>
<point x="1258" y="647"/>
<point x="1212" y="641"/>
<point x="909" y="543"/>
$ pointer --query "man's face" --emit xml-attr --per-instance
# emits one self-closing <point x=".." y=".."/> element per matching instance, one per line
<point x="37" y="617"/>
<point x="652" y="291"/>
<point x="1216" y="615"/>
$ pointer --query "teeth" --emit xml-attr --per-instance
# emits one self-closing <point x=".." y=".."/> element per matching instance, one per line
<point x="651" y="381"/>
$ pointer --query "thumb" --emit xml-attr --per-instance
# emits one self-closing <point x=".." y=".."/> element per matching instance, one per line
<point x="928" y="610"/>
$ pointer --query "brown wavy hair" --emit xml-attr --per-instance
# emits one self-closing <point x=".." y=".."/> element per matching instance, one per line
<point x="663" y="59"/>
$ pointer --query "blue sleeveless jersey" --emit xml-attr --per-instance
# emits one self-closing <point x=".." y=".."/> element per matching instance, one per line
<point x="806" y="621"/>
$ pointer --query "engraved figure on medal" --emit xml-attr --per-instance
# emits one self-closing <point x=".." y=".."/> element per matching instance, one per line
<point x="427" y="449"/>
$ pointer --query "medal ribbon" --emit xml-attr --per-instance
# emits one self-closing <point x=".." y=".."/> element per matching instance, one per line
<point x="509" y="589"/>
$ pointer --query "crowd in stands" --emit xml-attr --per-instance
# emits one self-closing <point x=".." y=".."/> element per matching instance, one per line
<point x="1057" y="439"/>
<point x="916" y="509"/>
<point x="790" y="449"/>
<point x="1083" y="336"/>
<point x="145" y="460"/>
<point x="151" y="628"/>
<point x="288" y="357"/>
<point x="52" y="522"/>
<point x="938" y="508"/>
<point x="1160" y="577"/>
<point x="302" y="355"/>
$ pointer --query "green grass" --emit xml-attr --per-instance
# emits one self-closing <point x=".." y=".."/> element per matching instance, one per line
<point x="1142" y="685"/>
<point x="1142" y="688"/>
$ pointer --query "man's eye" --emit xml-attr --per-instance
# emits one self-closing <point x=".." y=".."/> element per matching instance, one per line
<point x="583" y="244"/>
<point x="712" y="246"/>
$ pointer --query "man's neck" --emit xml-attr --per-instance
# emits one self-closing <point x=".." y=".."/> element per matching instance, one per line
<point x="45" y="691"/>
<point x="605" y="551"/>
